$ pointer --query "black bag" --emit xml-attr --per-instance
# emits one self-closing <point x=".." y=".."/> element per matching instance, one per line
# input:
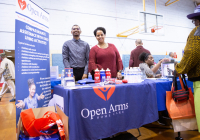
<point x="180" y="95"/>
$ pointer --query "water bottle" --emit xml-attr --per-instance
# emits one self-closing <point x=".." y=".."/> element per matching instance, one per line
<point x="125" y="74"/>
<point x="122" y="73"/>
<point x="128" y="75"/>
<point x="102" y="75"/>
<point x="139" y="75"/>
<point x="135" y="75"/>
<point x="63" y="78"/>
<point x="89" y="76"/>
<point x="143" y="77"/>
<point x="132" y="75"/>
<point x="97" y="76"/>
<point x="108" y="74"/>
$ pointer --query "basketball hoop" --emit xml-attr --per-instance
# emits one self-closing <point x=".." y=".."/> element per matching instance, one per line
<point x="153" y="29"/>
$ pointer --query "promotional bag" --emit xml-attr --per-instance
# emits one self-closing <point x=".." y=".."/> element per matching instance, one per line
<point x="179" y="104"/>
<point x="49" y="124"/>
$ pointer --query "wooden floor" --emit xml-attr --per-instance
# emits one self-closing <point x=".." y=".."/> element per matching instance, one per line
<point x="149" y="132"/>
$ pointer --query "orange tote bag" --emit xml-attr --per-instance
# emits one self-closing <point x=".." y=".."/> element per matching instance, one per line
<point x="180" y="109"/>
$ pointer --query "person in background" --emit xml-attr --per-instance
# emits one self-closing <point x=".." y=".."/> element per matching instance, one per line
<point x="4" y="86"/>
<point x="7" y="70"/>
<point x="31" y="100"/>
<point x="134" y="57"/>
<point x="105" y="55"/>
<point x="75" y="54"/>
<point x="171" y="54"/>
<point x="151" y="70"/>
<point x="190" y="62"/>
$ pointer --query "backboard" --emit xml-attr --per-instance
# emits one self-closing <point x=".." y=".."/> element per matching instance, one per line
<point x="151" y="23"/>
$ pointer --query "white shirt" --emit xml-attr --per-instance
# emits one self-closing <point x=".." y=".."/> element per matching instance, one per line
<point x="11" y="67"/>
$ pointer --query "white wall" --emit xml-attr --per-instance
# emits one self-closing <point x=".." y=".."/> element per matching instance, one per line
<point x="115" y="15"/>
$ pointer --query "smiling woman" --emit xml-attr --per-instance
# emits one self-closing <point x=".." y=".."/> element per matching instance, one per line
<point x="148" y="67"/>
<point x="105" y="55"/>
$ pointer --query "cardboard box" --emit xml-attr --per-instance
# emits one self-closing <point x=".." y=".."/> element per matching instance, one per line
<point x="39" y="112"/>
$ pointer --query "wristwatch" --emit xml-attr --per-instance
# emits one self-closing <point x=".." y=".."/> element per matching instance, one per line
<point x="120" y="71"/>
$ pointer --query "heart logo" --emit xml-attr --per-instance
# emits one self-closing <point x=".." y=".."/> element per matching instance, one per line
<point x="22" y="4"/>
<point x="106" y="90"/>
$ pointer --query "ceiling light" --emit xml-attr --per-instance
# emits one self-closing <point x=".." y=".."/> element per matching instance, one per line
<point x="9" y="56"/>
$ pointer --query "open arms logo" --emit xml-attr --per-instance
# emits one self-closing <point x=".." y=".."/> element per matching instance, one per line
<point x="104" y="92"/>
<point x="22" y="4"/>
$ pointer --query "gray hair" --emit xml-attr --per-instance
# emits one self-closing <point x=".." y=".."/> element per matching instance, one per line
<point x="138" y="41"/>
<point x="170" y="53"/>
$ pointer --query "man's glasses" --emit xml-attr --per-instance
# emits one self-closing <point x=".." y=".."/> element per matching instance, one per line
<point x="76" y="29"/>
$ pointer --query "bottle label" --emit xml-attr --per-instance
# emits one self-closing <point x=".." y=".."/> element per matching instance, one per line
<point x="96" y="78"/>
<point x="108" y="77"/>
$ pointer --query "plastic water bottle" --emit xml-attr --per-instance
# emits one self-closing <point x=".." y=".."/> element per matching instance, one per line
<point x="97" y="76"/>
<point x="143" y="76"/>
<point x="128" y="75"/>
<point x="63" y="78"/>
<point x="139" y="75"/>
<point x="89" y="76"/>
<point x="122" y="73"/>
<point x="125" y="74"/>
<point x="108" y="74"/>
<point x="132" y="75"/>
<point x="135" y="75"/>
<point x="102" y="75"/>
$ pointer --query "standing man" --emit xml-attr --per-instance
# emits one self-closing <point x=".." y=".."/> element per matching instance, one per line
<point x="134" y="58"/>
<point x="171" y="54"/>
<point x="190" y="62"/>
<point x="75" y="54"/>
<point x="7" y="70"/>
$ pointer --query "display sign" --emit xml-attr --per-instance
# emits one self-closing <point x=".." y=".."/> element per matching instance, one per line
<point x="32" y="65"/>
<point x="68" y="72"/>
<point x="167" y="69"/>
<point x="69" y="79"/>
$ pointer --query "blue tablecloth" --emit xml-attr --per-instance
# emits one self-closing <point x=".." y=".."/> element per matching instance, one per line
<point x="162" y="87"/>
<point x="96" y="113"/>
<point x="55" y="82"/>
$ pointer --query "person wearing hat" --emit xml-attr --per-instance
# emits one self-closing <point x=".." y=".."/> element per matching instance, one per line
<point x="190" y="62"/>
<point x="7" y="70"/>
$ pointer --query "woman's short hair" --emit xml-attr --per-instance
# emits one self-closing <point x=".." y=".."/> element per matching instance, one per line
<point x="30" y="82"/>
<point x="99" y="28"/>
<point x="143" y="56"/>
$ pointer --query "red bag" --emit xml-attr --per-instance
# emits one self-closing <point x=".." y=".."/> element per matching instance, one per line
<point x="36" y="127"/>
<point x="182" y="109"/>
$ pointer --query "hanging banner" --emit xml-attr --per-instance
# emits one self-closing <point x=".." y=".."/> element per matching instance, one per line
<point x="32" y="65"/>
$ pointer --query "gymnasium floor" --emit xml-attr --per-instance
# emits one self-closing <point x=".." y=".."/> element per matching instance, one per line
<point x="148" y="132"/>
